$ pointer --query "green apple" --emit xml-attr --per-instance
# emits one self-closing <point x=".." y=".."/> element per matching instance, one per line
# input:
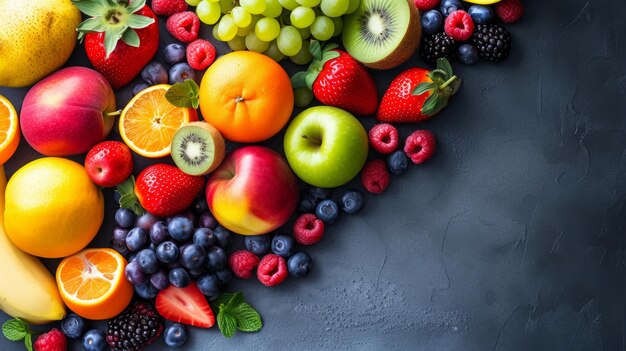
<point x="326" y="146"/>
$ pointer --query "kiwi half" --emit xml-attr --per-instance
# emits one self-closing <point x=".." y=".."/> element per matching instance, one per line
<point x="198" y="148"/>
<point x="383" y="34"/>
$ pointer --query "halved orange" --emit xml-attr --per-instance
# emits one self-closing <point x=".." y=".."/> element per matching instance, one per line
<point x="93" y="285"/>
<point x="9" y="130"/>
<point x="148" y="123"/>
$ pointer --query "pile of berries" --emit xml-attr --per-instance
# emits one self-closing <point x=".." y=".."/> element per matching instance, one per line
<point x="467" y="35"/>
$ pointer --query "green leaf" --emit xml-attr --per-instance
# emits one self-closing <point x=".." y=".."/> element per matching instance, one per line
<point x="330" y="46"/>
<point x="90" y="8"/>
<point x="128" y="198"/>
<point x="248" y="319"/>
<point x="431" y="104"/>
<point x="131" y="38"/>
<point x="15" y="329"/>
<point x="184" y="94"/>
<point x="222" y="299"/>
<point x="28" y="342"/>
<point x="138" y="21"/>
<point x="310" y="79"/>
<point x="136" y="5"/>
<point x="316" y="50"/>
<point x="424" y="87"/>
<point x="298" y="80"/>
<point x="235" y="301"/>
<point x="329" y="56"/>
<point x="91" y="25"/>
<point x="445" y="66"/>
<point x="227" y="324"/>
<point x="111" y="37"/>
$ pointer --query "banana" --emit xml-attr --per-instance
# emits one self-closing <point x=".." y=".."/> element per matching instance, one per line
<point x="27" y="289"/>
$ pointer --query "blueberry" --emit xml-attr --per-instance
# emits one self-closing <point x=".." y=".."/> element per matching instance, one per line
<point x="432" y="21"/>
<point x="319" y="194"/>
<point x="180" y="228"/>
<point x="307" y="203"/>
<point x="175" y="335"/>
<point x="158" y="232"/>
<point x="449" y="6"/>
<point x="223" y="236"/>
<point x="299" y="264"/>
<point x="137" y="239"/>
<point x="200" y="206"/>
<point x="116" y="194"/>
<point x="258" y="244"/>
<point x="124" y="217"/>
<point x="327" y="211"/>
<point x="154" y="73"/>
<point x="133" y="273"/>
<point x="95" y="340"/>
<point x="145" y="221"/>
<point x="481" y="14"/>
<point x="167" y="252"/>
<point x="181" y="72"/>
<point x="224" y="276"/>
<point x="204" y="238"/>
<point x="147" y="261"/>
<point x="397" y="162"/>
<point x="146" y="290"/>
<point x="136" y="89"/>
<point x="179" y="277"/>
<point x="206" y="220"/>
<point x="198" y="272"/>
<point x="351" y="201"/>
<point x="174" y="53"/>
<point x="216" y="259"/>
<point x="193" y="256"/>
<point x="119" y="235"/>
<point x="159" y="280"/>
<point x="209" y="285"/>
<point x="468" y="54"/>
<point x="73" y="326"/>
<point x="121" y="248"/>
<point x="283" y="245"/>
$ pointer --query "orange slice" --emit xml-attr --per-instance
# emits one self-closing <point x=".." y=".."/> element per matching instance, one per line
<point x="149" y="121"/>
<point x="93" y="285"/>
<point x="9" y="130"/>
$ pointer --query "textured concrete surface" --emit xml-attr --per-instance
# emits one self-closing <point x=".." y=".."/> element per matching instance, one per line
<point x="511" y="238"/>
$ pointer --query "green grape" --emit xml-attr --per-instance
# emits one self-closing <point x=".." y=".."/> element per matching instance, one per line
<point x="303" y="57"/>
<point x="354" y="4"/>
<point x="253" y="6"/>
<point x="237" y="43"/>
<point x="334" y="8"/>
<point x="289" y="4"/>
<point x="273" y="52"/>
<point x="216" y="35"/>
<point x="267" y="29"/>
<point x="193" y="2"/>
<point x="305" y="33"/>
<point x="212" y="0"/>
<point x="289" y="41"/>
<point x="208" y="12"/>
<point x="302" y="17"/>
<point x="241" y="17"/>
<point x="227" y="5"/>
<point x="308" y="3"/>
<point x="322" y="28"/>
<point x="255" y="44"/>
<point x="302" y="97"/>
<point x="226" y="28"/>
<point x="273" y="9"/>
<point x="243" y="31"/>
<point x="338" y="22"/>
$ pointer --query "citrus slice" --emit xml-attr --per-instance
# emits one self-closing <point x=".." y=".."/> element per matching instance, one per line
<point x="148" y="123"/>
<point x="93" y="285"/>
<point x="9" y="130"/>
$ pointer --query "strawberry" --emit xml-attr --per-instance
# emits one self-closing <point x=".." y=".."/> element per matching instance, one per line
<point x="133" y="22"/>
<point x="337" y="79"/>
<point x="418" y="94"/>
<point x="185" y="305"/>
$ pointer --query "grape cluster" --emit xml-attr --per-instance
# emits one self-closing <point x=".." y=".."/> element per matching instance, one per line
<point x="276" y="28"/>
<point x="174" y="250"/>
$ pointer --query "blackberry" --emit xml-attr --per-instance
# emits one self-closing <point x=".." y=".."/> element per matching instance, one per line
<point x="493" y="41"/>
<point x="138" y="326"/>
<point x="437" y="46"/>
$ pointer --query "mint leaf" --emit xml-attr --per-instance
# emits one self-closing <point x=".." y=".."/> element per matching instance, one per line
<point x="128" y="199"/>
<point x="235" y="301"/>
<point x="28" y="342"/>
<point x="184" y="94"/>
<point x="226" y="323"/>
<point x="222" y="299"/>
<point x="15" y="329"/>
<point x="248" y="319"/>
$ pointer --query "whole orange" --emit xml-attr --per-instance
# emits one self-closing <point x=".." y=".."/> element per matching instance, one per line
<point x="247" y="96"/>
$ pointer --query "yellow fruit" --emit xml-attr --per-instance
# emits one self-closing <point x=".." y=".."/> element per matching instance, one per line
<point x="36" y="38"/>
<point x="9" y="130"/>
<point x="52" y="209"/>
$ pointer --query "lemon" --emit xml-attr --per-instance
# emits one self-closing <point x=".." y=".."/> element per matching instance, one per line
<point x="36" y="38"/>
<point x="52" y="208"/>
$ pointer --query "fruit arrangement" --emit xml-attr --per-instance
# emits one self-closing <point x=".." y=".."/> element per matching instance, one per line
<point x="210" y="206"/>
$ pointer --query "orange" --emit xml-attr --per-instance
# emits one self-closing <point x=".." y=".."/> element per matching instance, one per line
<point x="148" y="123"/>
<point x="9" y="130"/>
<point x="247" y="96"/>
<point x="93" y="285"/>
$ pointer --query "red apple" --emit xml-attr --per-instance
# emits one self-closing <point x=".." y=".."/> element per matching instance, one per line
<point x="109" y="163"/>
<point x="253" y="191"/>
<point x="68" y="112"/>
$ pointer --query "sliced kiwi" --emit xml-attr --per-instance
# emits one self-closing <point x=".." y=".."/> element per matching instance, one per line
<point x="382" y="34"/>
<point x="198" y="148"/>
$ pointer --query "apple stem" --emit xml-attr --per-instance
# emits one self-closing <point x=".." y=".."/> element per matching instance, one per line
<point x="113" y="113"/>
<point x="314" y="140"/>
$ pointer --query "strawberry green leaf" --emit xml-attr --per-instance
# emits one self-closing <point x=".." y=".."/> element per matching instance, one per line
<point x="226" y="323"/>
<point x="444" y="65"/>
<point x="128" y="198"/>
<point x="298" y="80"/>
<point x="136" y="5"/>
<point x="138" y="21"/>
<point x="90" y="8"/>
<point x="310" y="79"/>
<point x="431" y="104"/>
<point x="329" y="56"/>
<point x="330" y="46"/>
<point x="131" y="38"/>
<point x="184" y="94"/>
<point x="316" y="50"/>
<point x="424" y="87"/>
<point x="111" y="37"/>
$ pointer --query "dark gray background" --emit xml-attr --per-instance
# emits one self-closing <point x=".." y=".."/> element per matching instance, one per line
<point x="510" y="238"/>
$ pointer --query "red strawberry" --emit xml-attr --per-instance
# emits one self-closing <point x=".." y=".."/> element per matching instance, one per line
<point x="185" y="305"/>
<point x="164" y="190"/>
<point x="134" y="23"/>
<point x="337" y="79"/>
<point x="417" y="94"/>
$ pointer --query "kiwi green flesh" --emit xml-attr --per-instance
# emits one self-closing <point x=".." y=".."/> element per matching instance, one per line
<point x="193" y="150"/>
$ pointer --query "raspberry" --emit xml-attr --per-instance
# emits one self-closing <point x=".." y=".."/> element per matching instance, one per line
<point x="509" y="11"/>
<point x="272" y="270"/>
<point x="54" y="340"/>
<point x="384" y="138"/>
<point x="459" y="25"/>
<point x="375" y="177"/>
<point x="420" y="146"/>
<point x="308" y="229"/>
<point x="184" y="26"/>
<point x="424" y="5"/>
<point x="168" y="7"/>
<point x="200" y="54"/>
<point x="243" y="263"/>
